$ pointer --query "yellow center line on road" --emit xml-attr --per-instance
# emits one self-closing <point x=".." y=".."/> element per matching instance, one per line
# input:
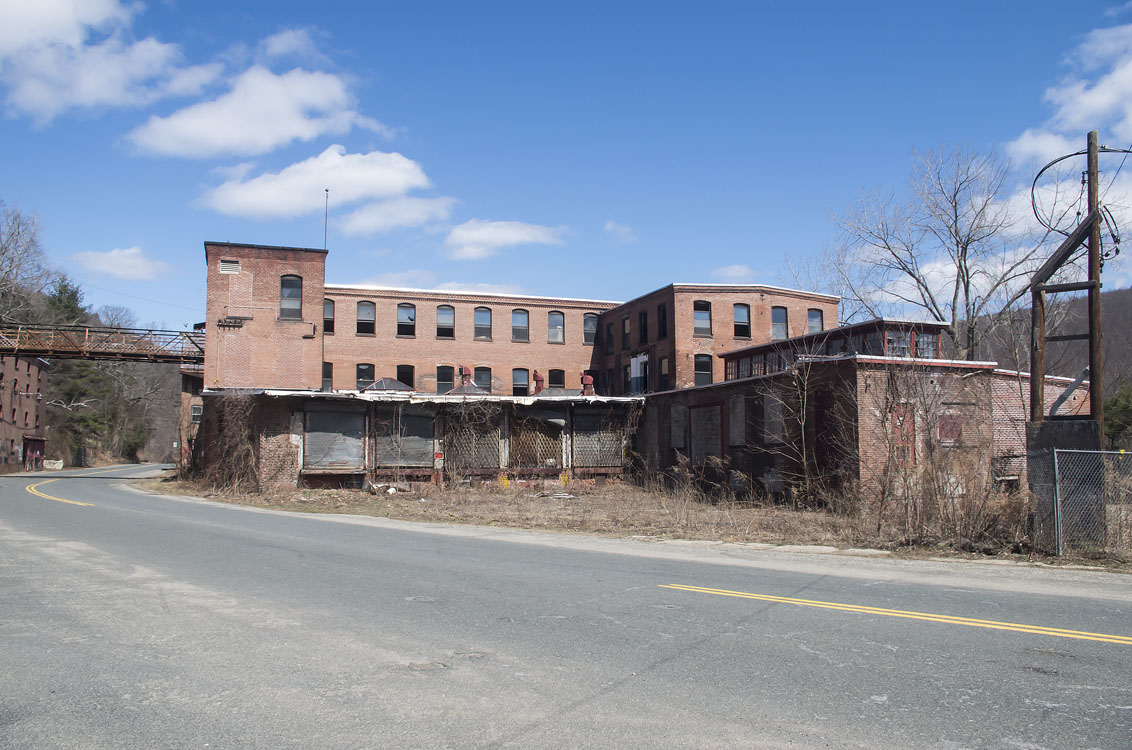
<point x="34" y="488"/>
<point x="928" y="616"/>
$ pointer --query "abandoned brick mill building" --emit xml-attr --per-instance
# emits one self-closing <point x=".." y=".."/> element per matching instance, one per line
<point x="23" y="413"/>
<point x="353" y="383"/>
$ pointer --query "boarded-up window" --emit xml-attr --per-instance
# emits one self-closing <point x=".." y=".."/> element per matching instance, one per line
<point x="950" y="428"/>
<point x="904" y="434"/>
<point x="705" y="433"/>
<point x="676" y="419"/>
<point x="334" y="438"/>
<point x="402" y="435"/>
<point x="736" y="421"/>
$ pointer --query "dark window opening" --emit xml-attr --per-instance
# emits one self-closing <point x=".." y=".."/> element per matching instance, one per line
<point x="742" y="321"/>
<point x="328" y="316"/>
<point x="290" y="298"/>
<point x="406" y="374"/>
<point x="444" y="378"/>
<point x="589" y="329"/>
<point x="625" y="333"/>
<point x="364" y="376"/>
<point x="662" y="321"/>
<point x="815" y="321"/>
<point x="483" y="323"/>
<point x="519" y="382"/>
<point x="778" y="324"/>
<point x="703" y="369"/>
<point x="927" y="345"/>
<point x="609" y="338"/>
<point x="327" y="376"/>
<point x="643" y="327"/>
<point x="482" y="378"/>
<point x="367" y="313"/>
<point x="662" y="378"/>
<point x="701" y="318"/>
<point x="445" y="322"/>
<point x="520" y="326"/>
<point x="556" y="379"/>
<point x="406" y="319"/>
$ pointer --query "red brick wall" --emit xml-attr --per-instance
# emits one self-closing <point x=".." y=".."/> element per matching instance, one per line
<point x="23" y="409"/>
<point x="928" y="392"/>
<point x="280" y="441"/>
<point x="1011" y="392"/>
<point x="682" y="345"/>
<point x="425" y="351"/>
<point x="265" y="351"/>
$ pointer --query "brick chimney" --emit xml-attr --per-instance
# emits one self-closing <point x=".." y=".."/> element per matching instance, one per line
<point x="538" y="382"/>
<point x="587" y="385"/>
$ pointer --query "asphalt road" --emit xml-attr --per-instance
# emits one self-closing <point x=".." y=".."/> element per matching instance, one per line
<point x="144" y="621"/>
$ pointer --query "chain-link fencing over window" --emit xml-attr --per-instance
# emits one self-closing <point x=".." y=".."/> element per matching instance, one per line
<point x="1092" y="512"/>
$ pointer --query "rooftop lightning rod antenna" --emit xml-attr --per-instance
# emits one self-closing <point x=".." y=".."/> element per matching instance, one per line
<point x="325" y="216"/>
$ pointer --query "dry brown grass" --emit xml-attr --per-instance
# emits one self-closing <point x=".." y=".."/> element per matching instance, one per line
<point x="617" y="509"/>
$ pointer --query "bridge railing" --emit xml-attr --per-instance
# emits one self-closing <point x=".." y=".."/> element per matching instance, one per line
<point x="98" y="342"/>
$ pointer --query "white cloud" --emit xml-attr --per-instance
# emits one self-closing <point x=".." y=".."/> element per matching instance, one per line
<point x="1040" y="145"/>
<point x="1097" y="92"/>
<point x="397" y="213"/>
<point x="261" y="112"/>
<point x="298" y="189"/>
<point x="477" y="238"/>
<point x="291" y="43"/>
<point x="620" y="232"/>
<point x="57" y="55"/>
<point x="1118" y="9"/>
<point x="736" y="273"/>
<point x="125" y="263"/>
<point x="56" y="22"/>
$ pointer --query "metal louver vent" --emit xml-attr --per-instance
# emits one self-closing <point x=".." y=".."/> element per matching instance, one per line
<point x="229" y="266"/>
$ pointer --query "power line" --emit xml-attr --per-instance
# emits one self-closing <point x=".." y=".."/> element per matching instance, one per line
<point x="143" y="299"/>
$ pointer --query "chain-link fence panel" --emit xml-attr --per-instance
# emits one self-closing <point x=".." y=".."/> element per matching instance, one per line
<point x="1093" y="502"/>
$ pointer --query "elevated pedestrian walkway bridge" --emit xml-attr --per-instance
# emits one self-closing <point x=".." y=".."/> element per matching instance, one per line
<point x="97" y="342"/>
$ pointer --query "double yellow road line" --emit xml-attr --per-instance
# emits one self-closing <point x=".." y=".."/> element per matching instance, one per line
<point x="928" y="616"/>
<point x="34" y="488"/>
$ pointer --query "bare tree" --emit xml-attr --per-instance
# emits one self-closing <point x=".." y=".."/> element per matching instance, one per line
<point x="23" y="270"/>
<point x="951" y="250"/>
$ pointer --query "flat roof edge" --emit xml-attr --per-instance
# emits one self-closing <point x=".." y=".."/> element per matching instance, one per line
<point x="252" y="246"/>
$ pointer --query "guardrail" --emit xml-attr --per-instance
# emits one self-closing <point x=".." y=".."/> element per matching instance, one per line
<point x="95" y="342"/>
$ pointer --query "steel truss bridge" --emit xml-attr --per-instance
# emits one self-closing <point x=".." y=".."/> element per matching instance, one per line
<point x="97" y="342"/>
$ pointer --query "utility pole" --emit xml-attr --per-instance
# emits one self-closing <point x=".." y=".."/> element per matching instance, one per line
<point x="1096" y="388"/>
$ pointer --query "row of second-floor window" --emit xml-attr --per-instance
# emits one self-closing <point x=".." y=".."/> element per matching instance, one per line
<point x="702" y="324"/>
<point x="446" y="378"/>
<point x="741" y="320"/>
<point x="365" y="322"/>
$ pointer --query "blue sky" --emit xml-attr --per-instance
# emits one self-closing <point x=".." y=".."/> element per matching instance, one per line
<point x="574" y="149"/>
